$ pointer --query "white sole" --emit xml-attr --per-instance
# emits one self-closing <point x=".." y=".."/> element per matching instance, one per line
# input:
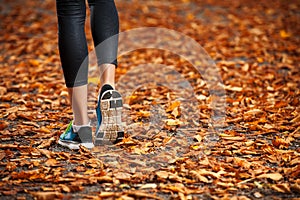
<point x="70" y="145"/>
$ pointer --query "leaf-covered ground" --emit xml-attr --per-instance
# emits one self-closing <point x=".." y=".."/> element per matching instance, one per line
<point x="169" y="151"/>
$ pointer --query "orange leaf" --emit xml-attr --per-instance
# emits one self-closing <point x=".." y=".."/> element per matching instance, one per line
<point x="284" y="34"/>
<point x="273" y="176"/>
<point x="123" y="176"/>
<point x="52" y="162"/>
<point x="176" y="112"/>
<point x="3" y="124"/>
<point x="199" y="177"/>
<point x="47" y="195"/>
<point x="173" y="122"/>
<point x="162" y="174"/>
<point x="283" y="188"/>
<point x="172" y="106"/>
<point x="280" y="143"/>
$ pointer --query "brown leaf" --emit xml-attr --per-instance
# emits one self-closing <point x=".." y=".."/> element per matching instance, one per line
<point x="52" y="163"/>
<point x="94" y="163"/>
<point x="173" y="122"/>
<point x="108" y="194"/>
<point x="283" y="188"/>
<point x="233" y="88"/>
<point x="295" y="161"/>
<point x="123" y="176"/>
<point x="178" y="187"/>
<point x="295" y="187"/>
<point x="29" y="174"/>
<point x="26" y="116"/>
<point x="280" y="143"/>
<point x="3" y="90"/>
<point x="242" y="162"/>
<point x="209" y="173"/>
<point x="172" y="106"/>
<point x="10" y="192"/>
<point x="46" y="153"/>
<point x="139" y="194"/>
<point x="143" y="114"/>
<point x="2" y="155"/>
<point x="273" y="176"/>
<point x="47" y="143"/>
<point x="225" y="184"/>
<point x="176" y="112"/>
<point x="31" y="123"/>
<point x="104" y="179"/>
<point x="149" y="186"/>
<point x="284" y="34"/>
<point x="162" y="174"/>
<point x="65" y="188"/>
<point x="47" y="195"/>
<point x="11" y="166"/>
<point x="80" y="169"/>
<point x="199" y="177"/>
<point x="3" y="124"/>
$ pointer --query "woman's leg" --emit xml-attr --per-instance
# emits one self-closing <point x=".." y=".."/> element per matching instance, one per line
<point x="74" y="54"/>
<point x="105" y="29"/>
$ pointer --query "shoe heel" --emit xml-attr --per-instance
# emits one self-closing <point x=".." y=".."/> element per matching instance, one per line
<point x="110" y="130"/>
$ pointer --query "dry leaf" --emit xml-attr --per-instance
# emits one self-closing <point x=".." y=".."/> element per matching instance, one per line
<point x="199" y="177"/>
<point x="284" y="34"/>
<point x="172" y="106"/>
<point x="52" y="163"/>
<point x="3" y="124"/>
<point x="273" y="176"/>
<point x="123" y="176"/>
<point x="173" y="122"/>
<point x="47" y="195"/>
<point x="162" y="174"/>
<point x="283" y="188"/>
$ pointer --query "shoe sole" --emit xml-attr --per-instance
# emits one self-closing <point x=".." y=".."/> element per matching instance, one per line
<point x="110" y="130"/>
<point x="69" y="144"/>
<point x="75" y="146"/>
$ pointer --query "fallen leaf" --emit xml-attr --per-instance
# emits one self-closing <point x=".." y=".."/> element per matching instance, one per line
<point x="2" y="155"/>
<point x="280" y="143"/>
<point x="162" y="174"/>
<point x="139" y="194"/>
<point x="94" y="163"/>
<point x="47" y="195"/>
<point x="284" y="34"/>
<point x="123" y="176"/>
<point x="149" y="186"/>
<point x="273" y="176"/>
<point x="199" y="177"/>
<point x="52" y="163"/>
<point x="47" y="143"/>
<point x="176" y="112"/>
<point x="173" y="122"/>
<point x="172" y="106"/>
<point x="3" y="124"/>
<point x="233" y="88"/>
<point x="283" y="188"/>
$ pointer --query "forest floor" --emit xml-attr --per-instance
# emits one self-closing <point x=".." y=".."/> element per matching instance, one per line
<point x="211" y="95"/>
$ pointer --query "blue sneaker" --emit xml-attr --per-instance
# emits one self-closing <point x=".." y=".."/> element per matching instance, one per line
<point x="73" y="140"/>
<point x="109" y="112"/>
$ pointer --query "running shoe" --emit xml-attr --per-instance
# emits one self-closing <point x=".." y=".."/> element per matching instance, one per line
<point x="73" y="140"/>
<point x="109" y="112"/>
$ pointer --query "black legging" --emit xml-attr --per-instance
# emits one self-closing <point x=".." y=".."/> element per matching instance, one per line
<point x="72" y="43"/>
